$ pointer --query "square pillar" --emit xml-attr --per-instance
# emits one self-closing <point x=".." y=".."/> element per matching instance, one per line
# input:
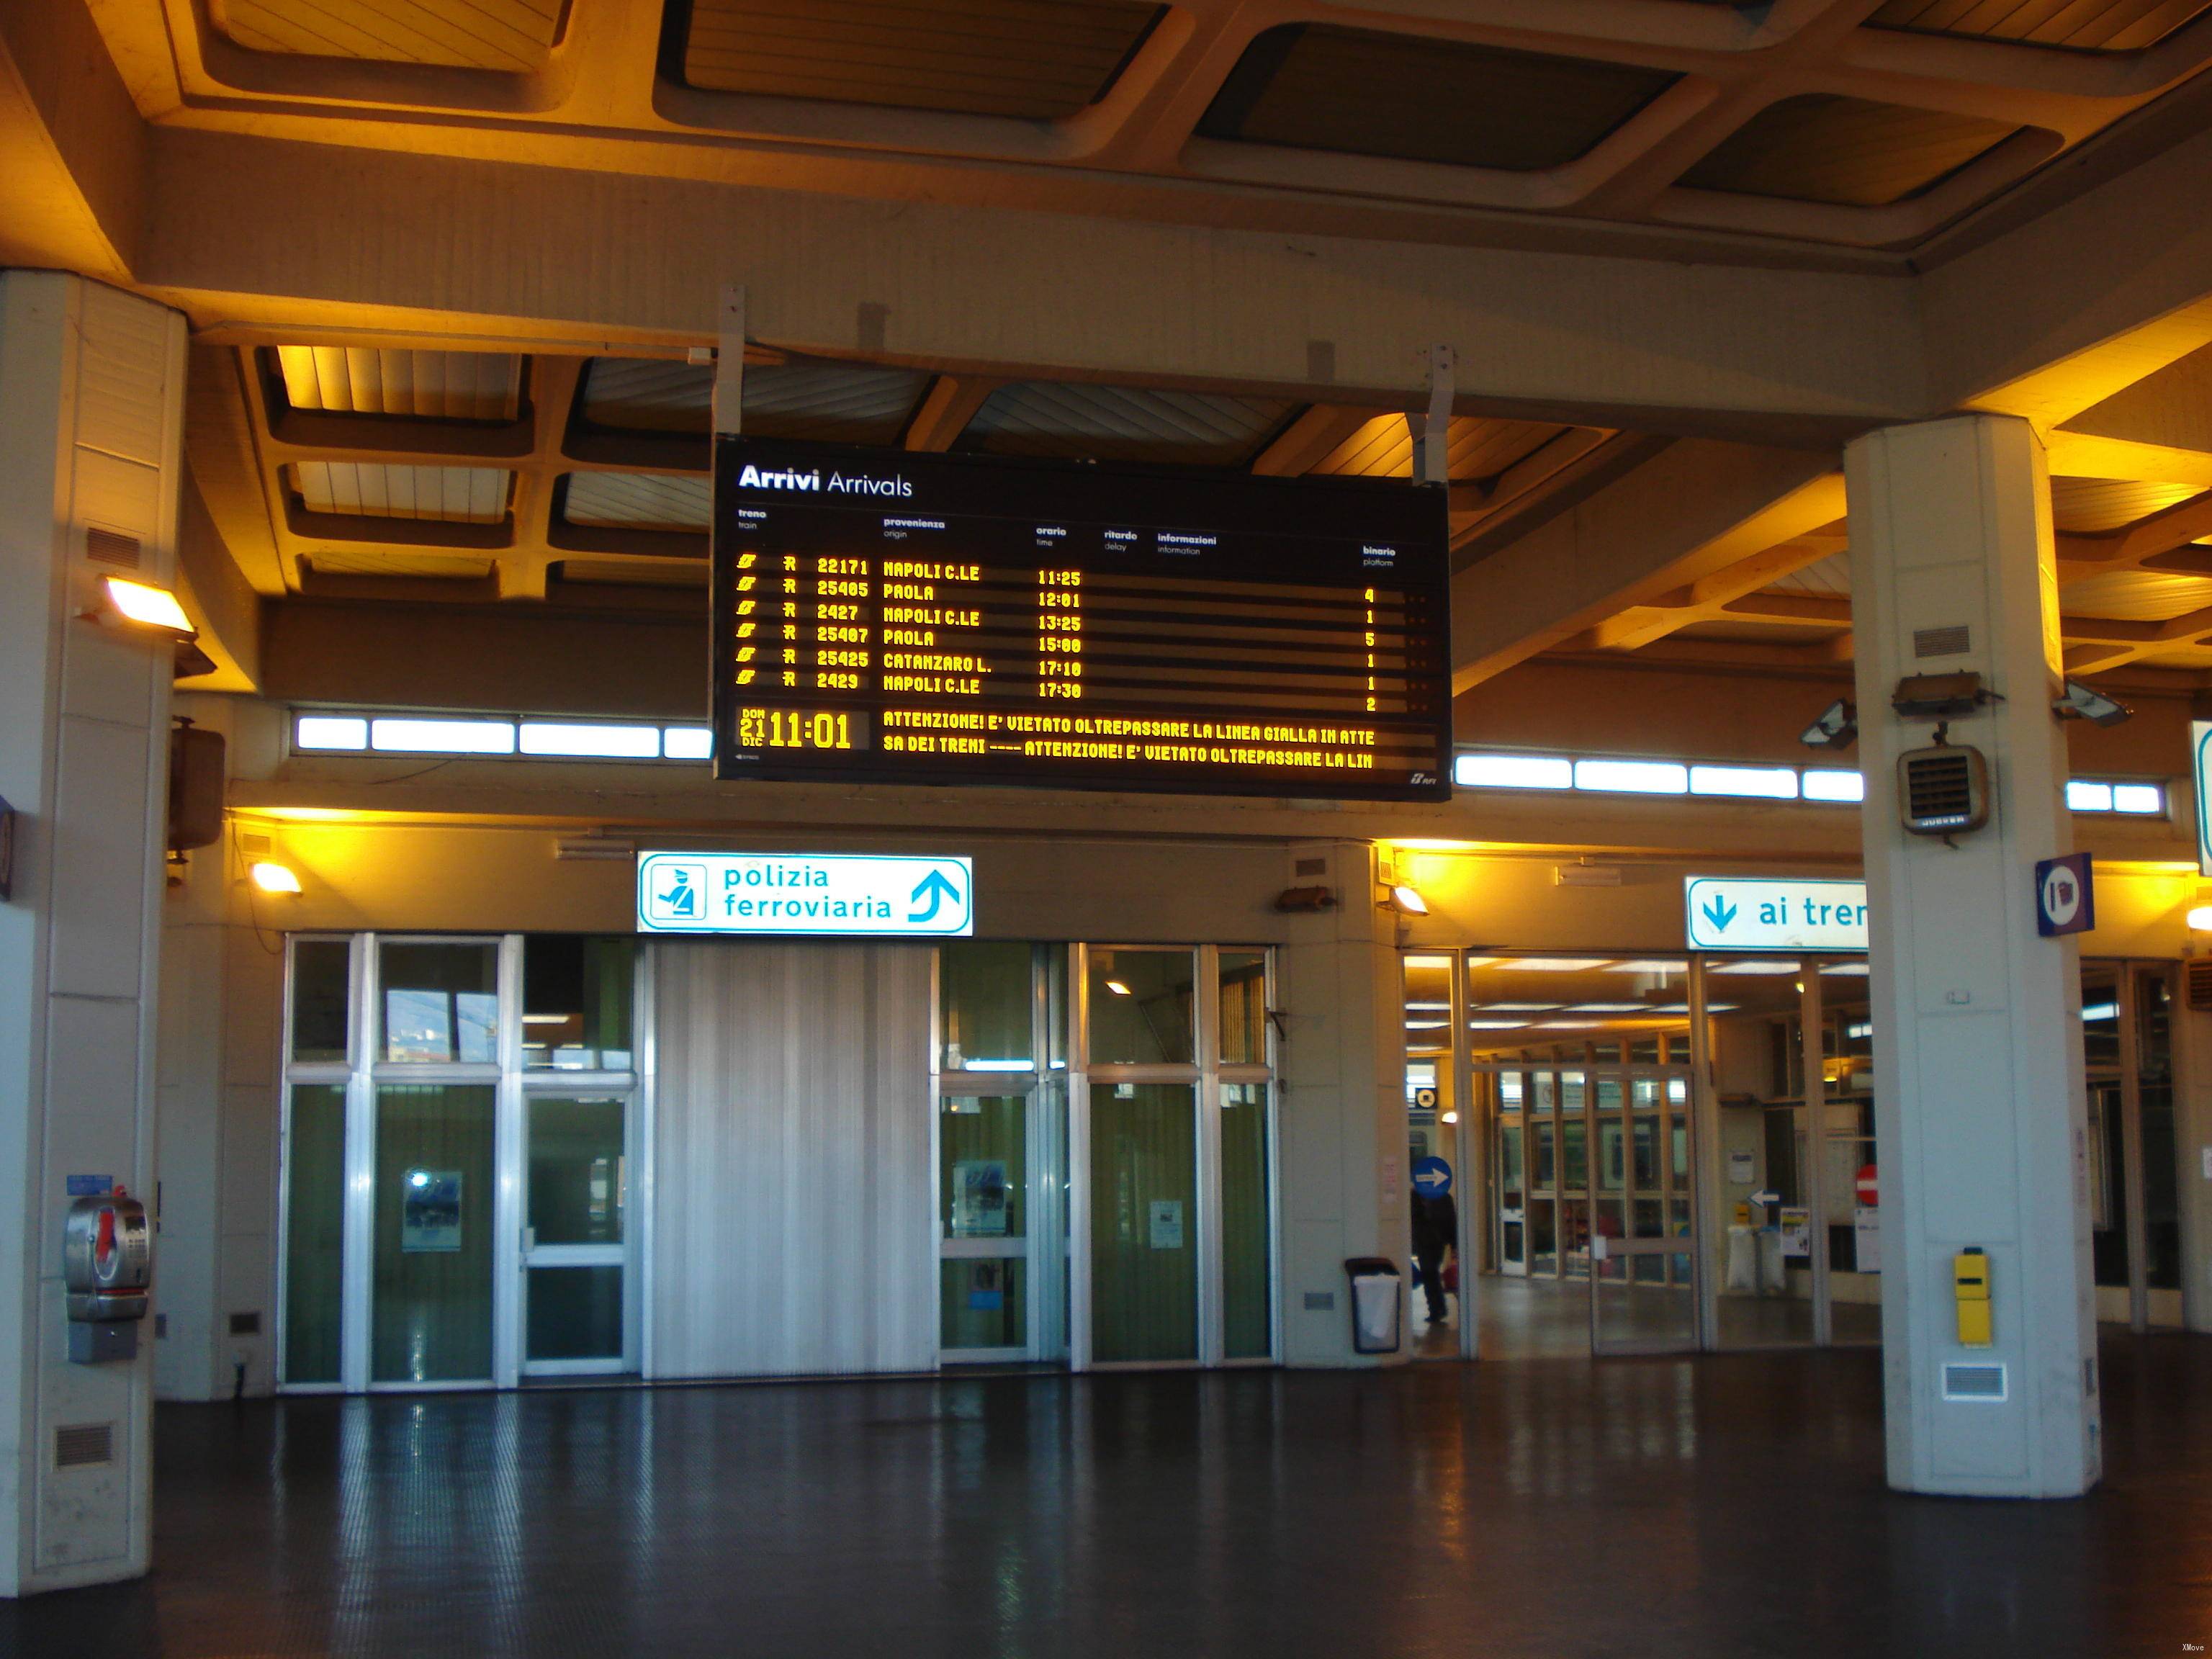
<point x="91" y="381"/>
<point x="1980" y="1111"/>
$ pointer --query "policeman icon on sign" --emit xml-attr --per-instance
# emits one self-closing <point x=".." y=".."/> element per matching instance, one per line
<point x="681" y="899"/>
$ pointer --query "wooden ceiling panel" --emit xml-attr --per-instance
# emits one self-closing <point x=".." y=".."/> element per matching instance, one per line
<point x="637" y="501"/>
<point x="1038" y="60"/>
<point x="452" y="495"/>
<point x="515" y="36"/>
<point x="2091" y="507"/>
<point x="1319" y="87"/>
<point x="1846" y="151"/>
<point x="444" y="385"/>
<point x="2135" y="596"/>
<point x="1124" y="423"/>
<point x="2082" y="25"/>
<point x="1478" y="447"/>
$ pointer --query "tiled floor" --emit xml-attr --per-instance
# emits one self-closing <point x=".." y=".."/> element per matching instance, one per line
<point x="1732" y="1505"/>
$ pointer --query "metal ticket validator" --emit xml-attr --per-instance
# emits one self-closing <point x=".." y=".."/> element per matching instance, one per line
<point x="108" y="1266"/>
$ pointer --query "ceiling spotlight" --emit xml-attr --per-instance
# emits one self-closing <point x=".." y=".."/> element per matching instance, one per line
<point x="1117" y="987"/>
<point x="141" y="605"/>
<point x="2079" y="702"/>
<point x="272" y="877"/>
<point x="1836" y="727"/>
<point x="1405" y="901"/>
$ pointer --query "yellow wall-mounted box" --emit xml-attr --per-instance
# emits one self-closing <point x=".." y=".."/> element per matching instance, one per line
<point x="1970" y="1289"/>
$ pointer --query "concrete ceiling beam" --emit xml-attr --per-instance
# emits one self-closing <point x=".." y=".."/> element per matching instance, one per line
<point x="73" y="149"/>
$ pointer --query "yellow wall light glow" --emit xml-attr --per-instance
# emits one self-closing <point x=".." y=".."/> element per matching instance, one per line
<point x="2200" y="919"/>
<point x="149" y="607"/>
<point x="272" y="877"/>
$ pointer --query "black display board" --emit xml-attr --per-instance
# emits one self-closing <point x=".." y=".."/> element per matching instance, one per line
<point x="887" y="618"/>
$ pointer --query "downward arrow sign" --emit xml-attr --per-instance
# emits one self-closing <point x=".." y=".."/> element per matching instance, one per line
<point x="1720" y="912"/>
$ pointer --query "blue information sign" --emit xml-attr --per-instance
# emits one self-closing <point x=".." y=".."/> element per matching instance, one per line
<point x="2065" y="895"/>
<point x="1431" y="1176"/>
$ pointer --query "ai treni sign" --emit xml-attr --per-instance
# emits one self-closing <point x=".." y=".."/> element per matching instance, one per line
<point x="821" y="895"/>
<point x="1733" y="913"/>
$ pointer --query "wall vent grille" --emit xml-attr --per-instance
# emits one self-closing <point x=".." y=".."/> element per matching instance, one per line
<point x="2200" y="985"/>
<point x="112" y="547"/>
<point x="1311" y="868"/>
<point x="1953" y="642"/>
<point x="80" y="1445"/>
<point x="1975" y="1382"/>
<point x="246" y="1324"/>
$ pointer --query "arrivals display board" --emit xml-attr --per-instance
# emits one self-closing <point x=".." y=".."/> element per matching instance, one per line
<point x="887" y="618"/>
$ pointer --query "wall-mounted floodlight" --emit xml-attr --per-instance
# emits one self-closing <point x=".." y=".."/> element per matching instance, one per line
<point x="143" y="605"/>
<point x="1117" y="987"/>
<point x="1405" y="900"/>
<point x="2079" y="702"/>
<point x="1836" y="727"/>
<point x="273" y="877"/>
<point x="1940" y="696"/>
<point x="2200" y="919"/>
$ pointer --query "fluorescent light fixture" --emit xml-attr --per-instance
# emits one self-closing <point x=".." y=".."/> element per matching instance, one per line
<point x="1607" y="1008"/>
<point x="1425" y="845"/>
<point x="591" y="740"/>
<point x="427" y="737"/>
<point x="1859" y="1028"/>
<point x="1555" y="964"/>
<point x="148" y="606"/>
<point x="1653" y="966"/>
<point x="1426" y="1024"/>
<point x="1498" y="1025"/>
<point x="1569" y="1024"/>
<point x="1513" y="772"/>
<point x="995" y="1066"/>
<point x="330" y="732"/>
<point x="1761" y="782"/>
<point x="1414" y="1007"/>
<point x="2100" y="1011"/>
<point x="1431" y="962"/>
<point x="1756" y="965"/>
<point x="1844" y="970"/>
<point x="273" y="877"/>
<point x="687" y="743"/>
<point x="2144" y="798"/>
<point x="1826" y="783"/>
<point x="547" y="1019"/>
<point x="1117" y="987"/>
<point x="1620" y="777"/>
<point x="2083" y="796"/>
<point x="1517" y="1007"/>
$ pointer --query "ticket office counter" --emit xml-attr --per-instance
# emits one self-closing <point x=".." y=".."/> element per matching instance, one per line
<point x="519" y="1156"/>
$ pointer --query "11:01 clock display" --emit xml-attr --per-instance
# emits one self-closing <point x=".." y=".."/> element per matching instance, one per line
<point x="886" y="617"/>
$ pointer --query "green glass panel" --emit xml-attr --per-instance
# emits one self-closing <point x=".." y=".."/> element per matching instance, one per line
<point x="984" y="995"/>
<point x="314" y="1231"/>
<point x="322" y="985"/>
<point x="431" y="1320"/>
<point x="983" y="1182"/>
<point x="983" y="1302"/>
<point x="577" y="991"/>
<point x="574" y="1313"/>
<point x="1573" y="1154"/>
<point x="441" y="1003"/>
<point x="577" y="1173"/>
<point x="1244" y="1230"/>
<point x="1141" y="1007"/>
<point x="1143" y="1222"/>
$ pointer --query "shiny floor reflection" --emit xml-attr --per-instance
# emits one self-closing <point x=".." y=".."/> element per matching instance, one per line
<point x="1721" y="1506"/>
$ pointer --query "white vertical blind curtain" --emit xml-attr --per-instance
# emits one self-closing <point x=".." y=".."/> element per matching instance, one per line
<point x="794" y="1233"/>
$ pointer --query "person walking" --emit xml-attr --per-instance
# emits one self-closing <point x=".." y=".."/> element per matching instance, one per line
<point x="1436" y="1229"/>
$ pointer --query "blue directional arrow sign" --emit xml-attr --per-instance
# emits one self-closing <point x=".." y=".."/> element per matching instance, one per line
<point x="816" y="894"/>
<point x="1766" y="1197"/>
<point x="1764" y="913"/>
<point x="1431" y="1176"/>
<point x="930" y="893"/>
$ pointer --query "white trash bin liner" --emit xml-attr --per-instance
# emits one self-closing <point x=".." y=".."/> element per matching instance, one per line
<point x="1743" y="1260"/>
<point x="1378" y="1301"/>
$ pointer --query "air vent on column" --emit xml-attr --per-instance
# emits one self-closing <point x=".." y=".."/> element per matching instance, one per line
<point x="1943" y="791"/>
<point x="2200" y="985"/>
<point x="112" y="548"/>
<point x="1976" y="1383"/>
<point x="79" y="1445"/>
<point x="1953" y="642"/>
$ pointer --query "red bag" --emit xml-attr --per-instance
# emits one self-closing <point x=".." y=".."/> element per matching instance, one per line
<point x="1451" y="1274"/>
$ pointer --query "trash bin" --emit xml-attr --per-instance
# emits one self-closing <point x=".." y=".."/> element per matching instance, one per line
<point x="1742" y="1261"/>
<point x="1377" y="1304"/>
<point x="1773" y="1269"/>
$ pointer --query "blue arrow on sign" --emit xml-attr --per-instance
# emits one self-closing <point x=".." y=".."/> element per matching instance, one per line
<point x="1719" y="912"/>
<point x="1767" y="1200"/>
<point x="934" y="889"/>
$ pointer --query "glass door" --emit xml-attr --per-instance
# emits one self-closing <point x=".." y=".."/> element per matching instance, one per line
<point x="575" y="1243"/>
<point x="1643" y="1293"/>
<point x="1512" y="1177"/>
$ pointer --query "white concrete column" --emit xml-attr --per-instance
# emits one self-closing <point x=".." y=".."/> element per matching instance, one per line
<point x="1342" y="1117"/>
<point x="1979" y="1103"/>
<point x="91" y="382"/>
